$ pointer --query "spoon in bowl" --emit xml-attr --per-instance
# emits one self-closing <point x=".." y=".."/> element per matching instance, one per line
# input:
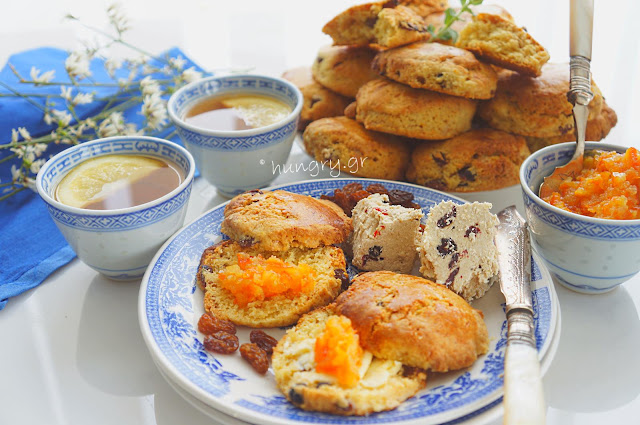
<point x="579" y="94"/>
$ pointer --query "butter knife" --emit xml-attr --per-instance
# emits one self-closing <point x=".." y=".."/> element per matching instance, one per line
<point x="523" y="395"/>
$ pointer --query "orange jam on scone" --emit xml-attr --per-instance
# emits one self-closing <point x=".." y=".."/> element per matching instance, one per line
<point x="338" y="352"/>
<point x="256" y="278"/>
<point x="607" y="187"/>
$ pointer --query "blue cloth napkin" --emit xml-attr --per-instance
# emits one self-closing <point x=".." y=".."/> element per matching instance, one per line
<point x="31" y="246"/>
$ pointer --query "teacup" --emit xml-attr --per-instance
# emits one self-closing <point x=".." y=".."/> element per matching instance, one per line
<point x="237" y="161"/>
<point x="118" y="243"/>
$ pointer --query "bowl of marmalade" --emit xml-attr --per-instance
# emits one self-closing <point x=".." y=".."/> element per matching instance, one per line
<point x="117" y="200"/>
<point x="239" y="128"/>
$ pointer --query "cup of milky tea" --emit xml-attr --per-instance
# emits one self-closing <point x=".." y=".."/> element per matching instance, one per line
<point x="239" y="128"/>
<point x="117" y="200"/>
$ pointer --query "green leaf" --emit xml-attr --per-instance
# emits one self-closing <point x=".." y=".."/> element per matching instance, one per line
<point x="475" y="2"/>
<point x="449" y="16"/>
<point x="448" y="34"/>
<point x="431" y="29"/>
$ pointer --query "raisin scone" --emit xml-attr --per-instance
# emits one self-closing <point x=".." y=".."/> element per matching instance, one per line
<point x="437" y="67"/>
<point x="457" y="248"/>
<point x="344" y="69"/>
<point x="378" y="384"/>
<point x="319" y="101"/>
<point x="327" y="276"/>
<point x="384" y="235"/>
<point x="501" y="42"/>
<point x="413" y="320"/>
<point x="278" y="220"/>
<point x="345" y="142"/>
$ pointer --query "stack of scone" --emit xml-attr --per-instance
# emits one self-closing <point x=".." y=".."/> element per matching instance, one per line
<point x="458" y="116"/>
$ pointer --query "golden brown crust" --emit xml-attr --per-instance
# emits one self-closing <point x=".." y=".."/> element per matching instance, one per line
<point x="386" y="106"/>
<point x="481" y="159"/>
<point x="425" y="8"/>
<point x="414" y="321"/>
<point x="437" y="67"/>
<point x="319" y="102"/>
<point x="279" y="310"/>
<point x="536" y="107"/>
<point x="343" y="69"/>
<point x="437" y="19"/>
<point x="278" y="220"/>
<point x="358" y="151"/>
<point x="501" y="42"/>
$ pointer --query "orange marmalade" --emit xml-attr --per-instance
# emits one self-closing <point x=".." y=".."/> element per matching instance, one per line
<point x="338" y="352"/>
<point x="607" y="187"/>
<point x="256" y="279"/>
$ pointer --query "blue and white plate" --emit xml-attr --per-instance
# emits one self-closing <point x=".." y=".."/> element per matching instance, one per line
<point x="170" y="305"/>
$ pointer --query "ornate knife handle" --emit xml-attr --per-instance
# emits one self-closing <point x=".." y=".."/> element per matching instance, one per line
<point x="580" y="84"/>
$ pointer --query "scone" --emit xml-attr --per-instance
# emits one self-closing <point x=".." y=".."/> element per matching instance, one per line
<point x="437" y="19"/>
<point x="457" y="248"/>
<point x="344" y="69"/>
<point x="345" y="142"/>
<point x="481" y="159"/>
<point x="414" y="321"/>
<point x="425" y="8"/>
<point x="382" y="384"/>
<point x="597" y="129"/>
<point x="383" y="23"/>
<point x="503" y="43"/>
<point x="437" y="67"/>
<point x="390" y="107"/>
<point x="278" y="220"/>
<point x="384" y="235"/>
<point x="319" y="102"/>
<point x="282" y="309"/>
<point x="536" y="107"/>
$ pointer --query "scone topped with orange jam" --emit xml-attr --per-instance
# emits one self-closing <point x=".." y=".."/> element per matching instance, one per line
<point x="258" y="288"/>
<point x="320" y="365"/>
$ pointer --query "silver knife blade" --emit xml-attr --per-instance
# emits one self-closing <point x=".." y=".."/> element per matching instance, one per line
<point x="514" y="258"/>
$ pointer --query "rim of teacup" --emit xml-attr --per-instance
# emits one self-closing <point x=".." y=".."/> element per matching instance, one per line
<point x="178" y="120"/>
<point x="188" y="179"/>
<point x="534" y="196"/>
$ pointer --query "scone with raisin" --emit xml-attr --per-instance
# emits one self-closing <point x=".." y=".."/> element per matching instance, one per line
<point x="258" y="288"/>
<point x="279" y="220"/>
<point x="414" y="321"/>
<point x="319" y="365"/>
<point x="437" y="67"/>
<point x="536" y="107"/>
<point x="390" y="107"/>
<point x="481" y="159"/>
<point x="501" y="42"/>
<point x="383" y="24"/>
<point x="344" y="69"/>
<point x="345" y="142"/>
<point x="384" y="235"/>
<point x="457" y="248"/>
<point x="319" y="102"/>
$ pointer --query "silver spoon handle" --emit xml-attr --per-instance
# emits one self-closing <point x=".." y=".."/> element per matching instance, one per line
<point x="581" y="28"/>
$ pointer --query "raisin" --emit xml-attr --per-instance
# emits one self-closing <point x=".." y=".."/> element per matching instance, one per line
<point x="472" y="230"/>
<point x="207" y="268"/>
<point x="377" y="188"/>
<point x="401" y="197"/>
<point x="441" y="160"/>
<point x="256" y="357"/>
<point x="343" y="277"/>
<point x="454" y="260"/>
<point x="465" y="173"/>
<point x="264" y="341"/>
<point x="246" y="242"/>
<point x="295" y="397"/>
<point x="375" y="251"/>
<point x="447" y="219"/>
<point x="451" y="277"/>
<point x="314" y="99"/>
<point x="221" y="342"/>
<point x="447" y="246"/>
<point x="209" y="324"/>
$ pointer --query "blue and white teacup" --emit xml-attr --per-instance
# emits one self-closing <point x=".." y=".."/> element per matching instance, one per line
<point x="587" y="254"/>
<point x="237" y="161"/>
<point x="118" y="243"/>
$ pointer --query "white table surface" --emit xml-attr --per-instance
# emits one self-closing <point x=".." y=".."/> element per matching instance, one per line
<point x="71" y="351"/>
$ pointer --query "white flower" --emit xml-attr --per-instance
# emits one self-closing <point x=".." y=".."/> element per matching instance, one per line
<point x="44" y="78"/>
<point x="114" y="125"/>
<point x="117" y="18"/>
<point x="77" y="65"/>
<point x="35" y="165"/>
<point x="65" y="92"/>
<point x="16" y="173"/>
<point x="63" y="118"/>
<point x="112" y="65"/>
<point x="177" y="63"/>
<point x="155" y="111"/>
<point x="14" y="135"/>
<point x="24" y="133"/>
<point x="82" y="98"/>
<point x="30" y="183"/>
<point x="149" y="86"/>
<point x="19" y="151"/>
<point x="190" y="75"/>
<point x="48" y="119"/>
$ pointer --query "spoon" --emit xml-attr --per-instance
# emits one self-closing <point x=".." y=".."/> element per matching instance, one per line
<point x="579" y="94"/>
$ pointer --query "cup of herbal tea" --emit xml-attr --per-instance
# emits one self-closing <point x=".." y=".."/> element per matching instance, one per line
<point x="117" y="200"/>
<point x="239" y="128"/>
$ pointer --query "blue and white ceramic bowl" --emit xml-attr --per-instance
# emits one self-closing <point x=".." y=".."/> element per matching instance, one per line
<point x="118" y="243"/>
<point x="237" y="161"/>
<point x="589" y="255"/>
